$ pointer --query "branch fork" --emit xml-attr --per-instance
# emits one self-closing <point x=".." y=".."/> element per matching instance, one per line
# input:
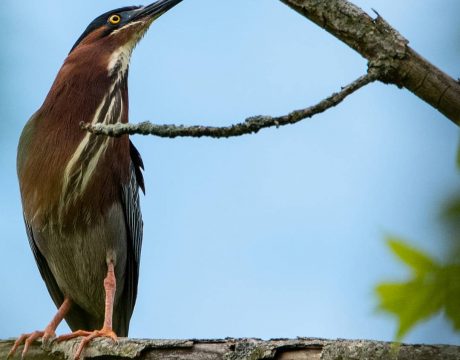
<point x="390" y="60"/>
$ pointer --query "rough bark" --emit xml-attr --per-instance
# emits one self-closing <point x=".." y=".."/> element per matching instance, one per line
<point x="386" y="49"/>
<point x="239" y="349"/>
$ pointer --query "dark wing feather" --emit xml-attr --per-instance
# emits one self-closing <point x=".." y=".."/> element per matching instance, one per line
<point x="133" y="218"/>
<point x="138" y="165"/>
<point x="44" y="268"/>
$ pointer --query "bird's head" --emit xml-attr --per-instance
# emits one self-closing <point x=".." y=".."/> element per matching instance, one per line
<point x="116" y="33"/>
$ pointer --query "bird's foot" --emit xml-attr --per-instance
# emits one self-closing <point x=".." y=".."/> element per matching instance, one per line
<point x="87" y="337"/>
<point x="28" y="339"/>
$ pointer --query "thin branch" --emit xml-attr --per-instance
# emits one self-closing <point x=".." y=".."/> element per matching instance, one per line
<point x="250" y="126"/>
<point x="387" y="51"/>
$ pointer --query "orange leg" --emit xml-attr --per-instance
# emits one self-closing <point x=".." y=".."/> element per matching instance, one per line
<point x="110" y="286"/>
<point x="48" y="333"/>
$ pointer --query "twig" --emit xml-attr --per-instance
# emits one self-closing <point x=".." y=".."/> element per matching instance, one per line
<point x="250" y="126"/>
<point x="386" y="51"/>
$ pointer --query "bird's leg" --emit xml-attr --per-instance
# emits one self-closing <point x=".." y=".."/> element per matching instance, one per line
<point x="48" y="333"/>
<point x="110" y="286"/>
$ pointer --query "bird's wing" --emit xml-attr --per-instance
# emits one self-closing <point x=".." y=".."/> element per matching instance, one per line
<point x="133" y="218"/>
<point x="44" y="268"/>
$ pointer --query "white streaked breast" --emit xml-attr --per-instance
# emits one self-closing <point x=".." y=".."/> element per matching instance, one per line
<point x="84" y="161"/>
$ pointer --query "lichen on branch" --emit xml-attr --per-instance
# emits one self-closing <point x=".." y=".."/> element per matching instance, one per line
<point x="239" y="349"/>
<point x="251" y="125"/>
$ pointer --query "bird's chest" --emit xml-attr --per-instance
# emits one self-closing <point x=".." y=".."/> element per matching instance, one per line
<point x="92" y="184"/>
<point x="91" y="165"/>
<point x="71" y="181"/>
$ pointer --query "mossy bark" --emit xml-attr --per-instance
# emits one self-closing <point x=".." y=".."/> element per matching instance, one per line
<point x="239" y="349"/>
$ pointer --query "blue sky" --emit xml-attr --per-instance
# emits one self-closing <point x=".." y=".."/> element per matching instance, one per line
<point x="278" y="234"/>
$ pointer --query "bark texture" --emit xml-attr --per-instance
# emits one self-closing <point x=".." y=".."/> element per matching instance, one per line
<point x="386" y="49"/>
<point x="239" y="349"/>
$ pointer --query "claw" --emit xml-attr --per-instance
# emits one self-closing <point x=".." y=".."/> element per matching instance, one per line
<point x="28" y="340"/>
<point x="47" y="334"/>
<point x="88" y="336"/>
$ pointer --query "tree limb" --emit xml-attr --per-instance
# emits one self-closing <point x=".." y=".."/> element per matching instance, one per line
<point x="239" y="349"/>
<point x="249" y="126"/>
<point x="387" y="51"/>
<point x="390" y="58"/>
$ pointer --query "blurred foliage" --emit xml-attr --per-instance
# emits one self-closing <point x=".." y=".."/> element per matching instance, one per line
<point x="434" y="286"/>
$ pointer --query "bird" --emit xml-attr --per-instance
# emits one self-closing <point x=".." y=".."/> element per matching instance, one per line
<point x="80" y="191"/>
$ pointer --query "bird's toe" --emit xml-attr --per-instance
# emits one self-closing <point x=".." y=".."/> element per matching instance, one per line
<point x="88" y="336"/>
<point x="28" y="340"/>
<point x="73" y="335"/>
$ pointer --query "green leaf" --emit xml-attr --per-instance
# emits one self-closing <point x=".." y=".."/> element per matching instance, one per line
<point x="419" y="262"/>
<point x="411" y="302"/>
<point x="451" y="210"/>
<point x="451" y="277"/>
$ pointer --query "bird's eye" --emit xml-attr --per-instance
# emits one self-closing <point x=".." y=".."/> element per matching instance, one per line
<point x="114" y="19"/>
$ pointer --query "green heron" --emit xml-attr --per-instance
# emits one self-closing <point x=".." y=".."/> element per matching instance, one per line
<point x="80" y="192"/>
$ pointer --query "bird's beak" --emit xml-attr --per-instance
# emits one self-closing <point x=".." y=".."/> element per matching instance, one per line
<point x="155" y="10"/>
